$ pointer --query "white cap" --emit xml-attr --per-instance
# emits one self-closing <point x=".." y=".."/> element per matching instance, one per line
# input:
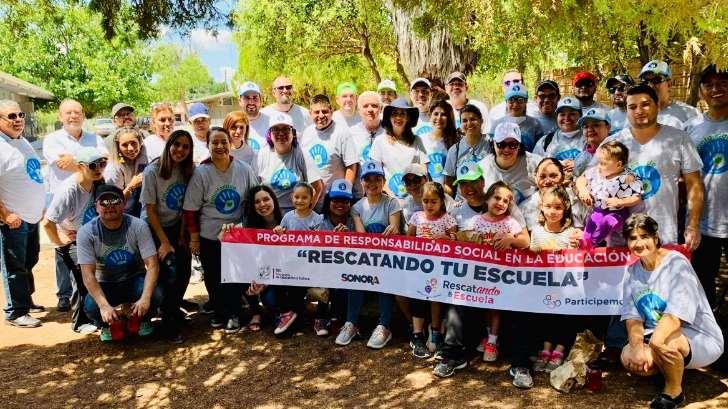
<point x="248" y="87"/>
<point x="506" y="130"/>
<point x="280" y="118"/>
<point x="418" y="80"/>
<point x="387" y="84"/>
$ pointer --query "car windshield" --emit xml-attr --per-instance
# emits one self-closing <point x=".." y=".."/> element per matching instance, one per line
<point x="102" y="121"/>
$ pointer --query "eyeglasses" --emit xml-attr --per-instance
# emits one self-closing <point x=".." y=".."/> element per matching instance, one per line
<point x="280" y="129"/>
<point x="110" y="202"/>
<point x="508" y="83"/>
<point x="517" y="100"/>
<point x="411" y="181"/>
<point x="15" y="115"/>
<point x="508" y="145"/>
<point x="617" y="88"/>
<point x="548" y="97"/>
<point x="99" y="164"/>
<point x="284" y="87"/>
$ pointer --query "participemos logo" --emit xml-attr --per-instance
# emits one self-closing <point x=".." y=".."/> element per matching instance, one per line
<point x="265" y="272"/>
<point x="551" y="301"/>
<point x="360" y="278"/>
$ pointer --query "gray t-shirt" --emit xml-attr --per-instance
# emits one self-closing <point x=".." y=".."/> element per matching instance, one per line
<point x="218" y="196"/>
<point x="395" y="155"/>
<point x="293" y="222"/>
<point x="117" y="254"/>
<point x="519" y="176"/>
<point x="660" y="163"/>
<point x="671" y="288"/>
<point x="711" y="140"/>
<point x="436" y="154"/>
<point x="166" y="194"/>
<point x="347" y="121"/>
<point x="282" y="172"/>
<point x="257" y="130"/>
<point x="331" y="149"/>
<point x="423" y="124"/>
<point x="617" y="120"/>
<point x="363" y="140"/>
<point x="375" y="217"/>
<point x="327" y="225"/>
<point x="680" y="110"/>
<point x="246" y="154"/>
<point x="71" y="207"/>
<point x="596" y="104"/>
<point x="562" y="146"/>
<point x="531" y="130"/>
<point x="466" y="215"/>
<point x="548" y="123"/>
<point x="499" y="111"/>
<point x="461" y="153"/>
<point x="299" y="114"/>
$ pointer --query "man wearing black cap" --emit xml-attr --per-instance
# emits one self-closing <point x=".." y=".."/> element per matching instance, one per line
<point x="547" y="95"/>
<point x="617" y="86"/>
<point x="118" y="261"/>
<point x="709" y="133"/>
<point x="456" y="87"/>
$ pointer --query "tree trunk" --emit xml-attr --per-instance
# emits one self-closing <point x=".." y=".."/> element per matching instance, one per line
<point x="366" y="51"/>
<point x="400" y="69"/>
<point x="434" y="56"/>
<point x="696" y="67"/>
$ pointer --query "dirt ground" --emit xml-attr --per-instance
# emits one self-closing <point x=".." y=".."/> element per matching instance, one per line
<point x="53" y="367"/>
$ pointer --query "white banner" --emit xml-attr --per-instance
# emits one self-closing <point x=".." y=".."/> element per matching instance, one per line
<point x="562" y="282"/>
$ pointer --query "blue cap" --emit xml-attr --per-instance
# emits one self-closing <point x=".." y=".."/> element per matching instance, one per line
<point x="594" y="114"/>
<point x="568" y="102"/>
<point x="657" y="67"/>
<point x="341" y="188"/>
<point x="516" y="90"/>
<point x="197" y="110"/>
<point x="248" y="86"/>
<point x="371" y="167"/>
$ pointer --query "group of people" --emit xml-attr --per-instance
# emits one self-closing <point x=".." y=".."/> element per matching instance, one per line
<point x="128" y="215"/>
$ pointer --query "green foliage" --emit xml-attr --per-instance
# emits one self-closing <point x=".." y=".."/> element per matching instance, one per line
<point x="180" y="76"/>
<point x="62" y="47"/>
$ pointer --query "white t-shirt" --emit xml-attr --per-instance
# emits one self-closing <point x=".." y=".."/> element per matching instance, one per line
<point x="499" y="111"/>
<point x="363" y="140"/>
<point x="711" y="140"/>
<point x="299" y="114"/>
<point x="531" y="130"/>
<point x="660" y="163"/>
<point x="596" y="104"/>
<point x="331" y="149"/>
<point x="61" y="143"/>
<point x="423" y="124"/>
<point x="72" y="206"/>
<point x="347" y="121"/>
<point x="519" y="176"/>
<point x="282" y="172"/>
<point x="257" y="130"/>
<point x="21" y="179"/>
<point x="154" y="146"/>
<point x="436" y="154"/>
<point x="542" y="240"/>
<point x="562" y="147"/>
<point x="617" y="120"/>
<point x="199" y="150"/>
<point x="395" y="156"/>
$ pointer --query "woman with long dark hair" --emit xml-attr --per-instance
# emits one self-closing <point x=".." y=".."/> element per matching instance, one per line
<point x="444" y="135"/>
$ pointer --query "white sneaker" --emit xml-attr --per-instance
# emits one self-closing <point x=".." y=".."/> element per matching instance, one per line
<point x="380" y="337"/>
<point x="347" y="333"/>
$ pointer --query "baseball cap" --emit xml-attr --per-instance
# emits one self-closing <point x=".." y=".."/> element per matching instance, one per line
<point x="119" y="106"/>
<point x="107" y="190"/>
<point x="594" y="114"/>
<point x="506" y="130"/>
<point x="197" y="110"/>
<point x="584" y="76"/>
<point x="568" y="102"/>
<point x="468" y="172"/>
<point x="371" y="167"/>
<point x="341" y="188"/>
<point x="345" y="86"/>
<point x="657" y="67"/>
<point x="547" y="83"/>
<point x="619" y="79"/>
<point x="387" y="84"/>
<point x="420" y="80"/>
<point x="280" y="118"/>
<point x="88" y="154"/>
<point x="248" y="86"/>
<point x="415" y="169"/>
<point x="457" y="75"/>
<point x="516" y="90"/>
<point x="710" y="70"/>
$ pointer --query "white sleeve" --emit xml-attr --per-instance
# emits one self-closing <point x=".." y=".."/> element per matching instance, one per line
<point x="52" y="149"/>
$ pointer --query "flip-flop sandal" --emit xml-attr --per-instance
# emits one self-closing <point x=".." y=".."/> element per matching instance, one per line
<point x="254" y="324"/>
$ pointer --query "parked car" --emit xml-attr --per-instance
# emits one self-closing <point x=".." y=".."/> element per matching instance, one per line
<point x="103" y="126"/>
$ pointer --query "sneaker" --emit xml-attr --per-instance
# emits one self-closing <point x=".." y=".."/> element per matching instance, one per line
<point x="176" y="337"/>
<point x="285" y="321"/>
<point x="321" y="327"/>
<point x="664" y="401"/>
<point x="380" y="336"/>
<point x="347" y="333"/>
<point x="481" y="346"/>
<point x="435" y="340"/>
<point x="105" y="335"/>
<point x="541" y="361"/>
<point x="216" y="322"/>
<point x="64" y="304"/>
<point x="35" y="308"/>
<point x="145" y="329"/>
<point x="233" y="325"/>
<point x="207" y="309"/>
<point x="87" y="329"/>
<point x="490" y="353"/>
<point x="521" y="377"/>
<point x="419" y="346"/>
<point x="557" y="358"/>
<point x="448" y="367"/>
<point x="189" y="306"/>
<point x="25" y="321"/>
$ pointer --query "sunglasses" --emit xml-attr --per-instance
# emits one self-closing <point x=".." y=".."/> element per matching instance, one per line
<point x="584" y="84"/>
<point x="508" y="145"/>
<point x="285" y="87"/>
<point x="99" y="164"/>
<point x="656" y="80"/>
<point x="109" y="202"/>
<point x="15" y="115"/>
<point x="508" y="83"/>
<point x="411" y="181"/>
<point x="617" y="88"/>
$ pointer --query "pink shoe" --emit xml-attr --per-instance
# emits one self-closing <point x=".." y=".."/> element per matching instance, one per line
<point x="543" y="358"/>
<point x="557" y="358"/>
<point x="490" y="354"/>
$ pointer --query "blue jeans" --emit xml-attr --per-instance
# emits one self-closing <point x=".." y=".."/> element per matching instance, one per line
<point x="616" y="333"/>
<point x="63" y="278"/>
<point x="356" y="300"/>
<point x="128" y="291"/>
<point x="19" y="250"/>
